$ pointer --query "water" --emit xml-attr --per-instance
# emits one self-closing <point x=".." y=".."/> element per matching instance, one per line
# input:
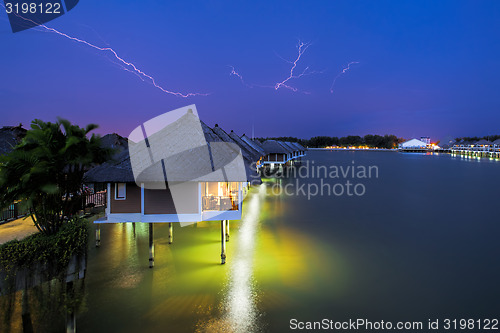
<point x="421" y="243"/>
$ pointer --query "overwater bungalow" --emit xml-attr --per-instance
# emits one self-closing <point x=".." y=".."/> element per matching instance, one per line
<point x="249" y="155"/>
<point x="289" y="155"/>
<point x="255" y="153"/>
<point x="481" y="148"/>
<point x="276" y="154"/>
<point x="205" y="183"/>
<point x="496" y="146"/>
<point x="294" y="153"/>
<point x="280" y="153"/>
<point x="258" y="143"/>
<point x="482" y="145"/>
<point x="301" y="149"/>
<point x="253" y="144"/>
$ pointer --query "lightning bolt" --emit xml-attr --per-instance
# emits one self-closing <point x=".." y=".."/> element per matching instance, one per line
<point x="126" y="65"/>
<point x="342" y="72"/>
<point x="302" y="47"/>
<point x="235" y="73"/>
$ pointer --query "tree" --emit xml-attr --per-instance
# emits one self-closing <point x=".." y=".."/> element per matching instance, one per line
<point x="45" y="171"/>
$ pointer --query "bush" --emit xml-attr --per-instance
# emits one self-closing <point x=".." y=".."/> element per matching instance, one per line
<point x="40" y="249"/>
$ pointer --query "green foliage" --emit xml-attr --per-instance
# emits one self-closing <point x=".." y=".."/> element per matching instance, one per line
<point x="46" y="171"/>
<point x="45" y="257"/>
<point x="40" y="249"/>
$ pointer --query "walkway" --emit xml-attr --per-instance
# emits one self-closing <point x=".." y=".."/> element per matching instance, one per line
<point x="17" y="229"/>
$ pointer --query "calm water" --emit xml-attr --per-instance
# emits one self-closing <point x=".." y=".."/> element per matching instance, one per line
<point x="421" y="243"/>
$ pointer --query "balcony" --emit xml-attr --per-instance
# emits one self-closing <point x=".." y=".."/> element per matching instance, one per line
<point x="220" y="203"/>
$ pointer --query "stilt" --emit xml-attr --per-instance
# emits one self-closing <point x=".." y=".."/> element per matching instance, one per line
<point x="98" y="235"/>
<point x="70" y="312"/>
<point x="227" y="230"/>
<point x="25" y="312"/>
<point x="170" y="233"/>
<point x="151" y="247"/>
<point x="223" y="241"/>
<point x="70" y="322"/>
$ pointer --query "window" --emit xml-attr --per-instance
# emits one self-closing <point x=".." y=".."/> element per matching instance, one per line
<point x="220" y="196"/>
<point x="120" y="191"/>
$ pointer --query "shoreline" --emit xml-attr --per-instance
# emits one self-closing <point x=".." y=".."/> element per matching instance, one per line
<point x="354" y="149"/>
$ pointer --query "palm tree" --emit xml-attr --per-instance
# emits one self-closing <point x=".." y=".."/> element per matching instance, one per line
<point x="46" y="169"/>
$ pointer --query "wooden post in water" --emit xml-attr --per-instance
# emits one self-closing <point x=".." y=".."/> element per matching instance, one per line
<point x="151" y="247"/>
<point x="70" y="313"/>
<point x="170" y="233"/>
<point x="227" y="230"/>
<point x="25" y="312"/>
<point x="98" y="235"/>
<point x="223" y="241"/>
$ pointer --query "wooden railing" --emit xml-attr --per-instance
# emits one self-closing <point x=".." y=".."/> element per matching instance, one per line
<point x="97" y="199"/>
<point x="15" y="211"/>
<point x="12" y="212"/>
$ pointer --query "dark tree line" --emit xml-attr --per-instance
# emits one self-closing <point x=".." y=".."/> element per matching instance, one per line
<point x="476" y="138"/>
<point x="373" y="141"/>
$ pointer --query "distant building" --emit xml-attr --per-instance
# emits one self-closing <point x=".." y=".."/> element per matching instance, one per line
<point x="413" y="144"/>
<point x="426" y="139"/>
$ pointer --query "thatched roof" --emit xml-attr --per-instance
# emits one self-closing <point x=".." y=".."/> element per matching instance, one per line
<point x="291" y="146"/>
<point x="464" y="143"/>
<point x="446" y="145"/>
<point x="190" y="158"/>
<point x="118" y="170"/>
<point x="225" y="137"/>
<point x="258" y="143"/>
<point x="284" y="145"/>
<point x="114" y="141"/>
<point x="253" y="144"/>
<point x="273" y="147"/>
<point x="256" y="154"/>
<point x="10" y="136"/>
<point x="299" y="146"/>
<point x="483" y="143"/>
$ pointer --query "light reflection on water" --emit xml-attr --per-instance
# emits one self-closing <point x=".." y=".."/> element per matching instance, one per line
<point x="240" y="313"/>
<point x="241" y="298"/>
<point x="378" y="256"/>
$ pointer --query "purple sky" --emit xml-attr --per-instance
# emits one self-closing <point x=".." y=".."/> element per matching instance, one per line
<point x="425" y="68"/>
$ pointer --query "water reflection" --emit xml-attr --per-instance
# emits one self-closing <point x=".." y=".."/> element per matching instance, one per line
<point x="239" y="306"/>
<point x="240" y="301"/>
<point x="50" y="306"/>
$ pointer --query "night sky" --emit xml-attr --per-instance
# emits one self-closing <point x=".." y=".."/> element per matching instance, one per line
<point x="426" y="68"/>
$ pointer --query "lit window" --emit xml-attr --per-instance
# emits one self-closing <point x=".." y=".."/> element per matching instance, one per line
<point x="120" y="191"/>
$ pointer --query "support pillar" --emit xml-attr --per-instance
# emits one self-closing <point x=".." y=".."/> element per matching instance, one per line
<point x="98" y="235"/>
<point x="223" y="241"/>
<point x="151" y="247"/>
<point x="70" y="312"/>
<point x="70" y="322"/>
<point x="25" y="312"/>
<point x="170" y="233"/>
<point x="227" y="230"/>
